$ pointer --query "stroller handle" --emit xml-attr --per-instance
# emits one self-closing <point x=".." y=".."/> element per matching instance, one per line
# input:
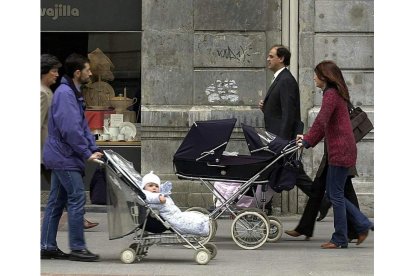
<point x="99" y="161"/>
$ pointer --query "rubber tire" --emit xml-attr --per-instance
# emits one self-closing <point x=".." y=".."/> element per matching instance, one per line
<point x="275" y="222"/>
<point x="128" y="256"/>
<point x="212" y="248"/>
<point x="260" y="217"/>
<point x="257" y="210"/>
<point x="202" y="256"/>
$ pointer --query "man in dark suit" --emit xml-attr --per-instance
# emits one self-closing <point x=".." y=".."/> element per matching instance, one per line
<point x="281" y="106"/>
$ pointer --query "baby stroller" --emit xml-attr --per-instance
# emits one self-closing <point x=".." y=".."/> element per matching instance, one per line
<point x="201" y="157"/>
<point x="128" y="213"/>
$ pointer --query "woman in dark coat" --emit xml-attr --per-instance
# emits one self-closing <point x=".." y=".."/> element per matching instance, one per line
<point x="333" y="124"/>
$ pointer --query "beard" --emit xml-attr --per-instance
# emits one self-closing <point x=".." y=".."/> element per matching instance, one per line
<point x="85" y="80"/>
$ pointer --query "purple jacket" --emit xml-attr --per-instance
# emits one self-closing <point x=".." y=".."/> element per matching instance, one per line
<point x="69" y="142"/>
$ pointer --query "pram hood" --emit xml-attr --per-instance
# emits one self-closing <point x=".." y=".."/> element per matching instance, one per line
<point x="201" y="154"/>
<point x="206" y="140"/>
<point x="254" y="142"/>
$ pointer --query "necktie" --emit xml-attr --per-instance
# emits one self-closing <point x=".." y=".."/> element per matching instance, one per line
<point x="273" y="79"/>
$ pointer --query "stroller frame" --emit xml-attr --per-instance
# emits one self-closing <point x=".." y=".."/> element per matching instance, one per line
<point x="204" y="252"/>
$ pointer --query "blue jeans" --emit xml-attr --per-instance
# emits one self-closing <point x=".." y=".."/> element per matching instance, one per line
<point x="335" y="183"/>
<point x="67" y="189"/>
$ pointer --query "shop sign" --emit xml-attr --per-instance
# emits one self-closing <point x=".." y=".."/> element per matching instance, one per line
<point x="90" y="15"/>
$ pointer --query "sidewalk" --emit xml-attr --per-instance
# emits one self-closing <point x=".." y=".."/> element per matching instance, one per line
<point x="288" y="256"/>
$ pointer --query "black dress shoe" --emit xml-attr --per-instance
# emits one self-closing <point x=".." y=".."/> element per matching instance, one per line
<point x="83" y="255"/>
<point x="323" y="210"/>
<point x="53" y="254"/>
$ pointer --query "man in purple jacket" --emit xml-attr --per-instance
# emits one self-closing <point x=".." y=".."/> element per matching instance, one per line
<point x="68" y="145"/>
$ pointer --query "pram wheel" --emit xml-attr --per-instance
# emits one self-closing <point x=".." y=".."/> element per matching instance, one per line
<point x="202" y="256"/>
<point x="275" y="229"/>
<point x="250" y="230"/>
<point x="128" y="256"/>
<point x="139" y="250"/>
<point x="256" y="210"/>
<point x="212" y="248"/>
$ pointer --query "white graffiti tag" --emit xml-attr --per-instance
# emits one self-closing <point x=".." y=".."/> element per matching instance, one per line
<point x="222" y="91"/>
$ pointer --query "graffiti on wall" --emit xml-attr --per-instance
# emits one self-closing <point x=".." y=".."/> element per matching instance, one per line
<point x="240" y="54"/>
<point x="223" y="91"/>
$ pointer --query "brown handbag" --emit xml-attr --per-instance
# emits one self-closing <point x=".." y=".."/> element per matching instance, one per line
<point x="361" y="124"/>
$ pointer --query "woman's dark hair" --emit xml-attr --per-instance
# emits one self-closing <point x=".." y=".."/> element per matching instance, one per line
<point x="48" y="62"/>
<point x="284" y="52"/>
<point x="329" y="72"/>
<point x="74" y="62"/>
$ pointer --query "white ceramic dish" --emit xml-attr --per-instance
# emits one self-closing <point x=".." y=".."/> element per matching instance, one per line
<point x="128" y="130"/>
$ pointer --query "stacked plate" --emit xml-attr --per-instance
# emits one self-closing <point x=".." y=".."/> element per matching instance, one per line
<point x="128" y="130"/>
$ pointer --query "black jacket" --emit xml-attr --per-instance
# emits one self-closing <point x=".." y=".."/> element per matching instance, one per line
<point x="281" y="107"/>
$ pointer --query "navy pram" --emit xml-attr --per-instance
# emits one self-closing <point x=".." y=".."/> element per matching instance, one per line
<point x="201" y="156"/>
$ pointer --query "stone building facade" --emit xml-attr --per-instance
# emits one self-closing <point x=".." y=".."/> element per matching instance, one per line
<point x="206" y="60"/>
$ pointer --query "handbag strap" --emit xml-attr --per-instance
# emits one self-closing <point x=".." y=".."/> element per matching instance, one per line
<point x="351" y="107"/>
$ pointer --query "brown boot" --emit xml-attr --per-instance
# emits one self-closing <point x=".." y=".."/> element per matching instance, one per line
<point x="362" y="237"/>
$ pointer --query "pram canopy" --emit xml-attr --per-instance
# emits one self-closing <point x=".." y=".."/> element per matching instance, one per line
<point x="206" y="140"/>
<point x="255" y="142"/>
<point x="201" y="154"/>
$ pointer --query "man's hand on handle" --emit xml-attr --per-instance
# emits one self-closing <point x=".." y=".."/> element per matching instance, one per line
<point x="95" y="155"/>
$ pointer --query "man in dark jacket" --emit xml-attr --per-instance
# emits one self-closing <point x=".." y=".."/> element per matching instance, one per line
<point x="281" y="106"/>
<point x="68" y="145"/>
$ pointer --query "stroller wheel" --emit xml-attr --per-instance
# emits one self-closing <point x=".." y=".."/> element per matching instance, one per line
<point x="212" y="248"/>
<point x="256" y="210"/>
<point x="250" y="230"/>
<point x="275" y="229"/>
<point x="202" y="256"/>
<point x="128" y="256"/>
<point x="138" y="249"/>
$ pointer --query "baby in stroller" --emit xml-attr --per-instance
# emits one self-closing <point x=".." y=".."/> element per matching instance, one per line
<point x="184" y="222"/>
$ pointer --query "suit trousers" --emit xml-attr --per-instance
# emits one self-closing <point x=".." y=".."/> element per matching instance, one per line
<point x="315" y="191"/>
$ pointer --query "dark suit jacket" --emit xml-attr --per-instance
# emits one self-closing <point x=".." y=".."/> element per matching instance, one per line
<point x="281" y="107"/>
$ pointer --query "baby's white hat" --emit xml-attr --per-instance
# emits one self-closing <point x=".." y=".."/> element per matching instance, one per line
<point x="150" y="178"/>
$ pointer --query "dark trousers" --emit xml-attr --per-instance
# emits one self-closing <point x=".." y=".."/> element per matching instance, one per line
<point x="316" y="192"/>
